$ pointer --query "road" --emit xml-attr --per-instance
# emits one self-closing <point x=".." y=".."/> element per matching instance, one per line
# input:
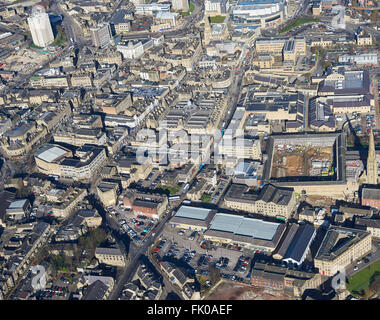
<point x="375" y="257"/>
<point x="169" y="287"/>
<point x="374" y="79"/>
<point x="72" y="29"/>
<point x="135" y="254"/>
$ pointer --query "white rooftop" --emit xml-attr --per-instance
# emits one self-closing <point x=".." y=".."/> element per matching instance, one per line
<point x="51" y="153"/>
<point x="192" y="212"/>
<point x="240" y="225"/>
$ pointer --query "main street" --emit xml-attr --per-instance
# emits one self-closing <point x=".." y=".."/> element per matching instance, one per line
<point x="375" y="256"/>
<point x="72" y="29"/>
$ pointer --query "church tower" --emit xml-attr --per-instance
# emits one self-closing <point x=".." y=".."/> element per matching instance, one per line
<point x="207" y="31"/>
<point x="371" y="161"/>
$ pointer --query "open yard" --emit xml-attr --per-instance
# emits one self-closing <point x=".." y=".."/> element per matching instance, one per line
<point x="300" y="161"/>
<point x="298" y="22"/>
<point x="187" y="13"/>
<point x="217" y="19"/>
<point x="231" y="291"/>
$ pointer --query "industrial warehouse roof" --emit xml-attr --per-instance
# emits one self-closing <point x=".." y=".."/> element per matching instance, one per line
<point x="50" y="153"/>
<point x="193" y="216"/>
<point x="240" y="225"/>
<point x="192" y="213"/>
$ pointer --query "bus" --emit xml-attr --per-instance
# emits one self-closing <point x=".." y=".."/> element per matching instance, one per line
<point x="185" y="188"/>
<point x="174" y="198"/>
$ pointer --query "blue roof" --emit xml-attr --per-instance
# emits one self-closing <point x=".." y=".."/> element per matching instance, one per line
<point x="147" y="92"/>
<point x="244" y="226"/>
<point x="192" y="213"/>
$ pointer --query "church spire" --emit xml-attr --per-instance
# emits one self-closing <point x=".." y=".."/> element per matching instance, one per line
<point x="371" y="161"/>
<point x="207" y="30"/>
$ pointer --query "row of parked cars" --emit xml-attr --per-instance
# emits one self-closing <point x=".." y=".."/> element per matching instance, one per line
<point x="370" y="122"/>
<point x="127" y="229"/>
<point x="232" y="277"/>
<point x="204" y="260"/>
<point x="364" y="260"/>
<point x="188" y="255"/>
<point x="242" y="264"/>
<point x="191" y="237"/>
<point x="134" y="233"/>
<point x="222" y="263"/>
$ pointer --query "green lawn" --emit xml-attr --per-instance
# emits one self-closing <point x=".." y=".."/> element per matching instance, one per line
<point x="187" y="13"/>
<point x="206" y="198"/>
<point x="361" y="280"/>
<point x="168" y="190"/>
<point x="217" y="19"/>
<point x="298" y="22"/>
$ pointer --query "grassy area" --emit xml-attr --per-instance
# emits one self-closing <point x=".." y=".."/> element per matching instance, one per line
<point x="206" y="198"/>
<point x="361" y="280"/>
<point x="168" y="190"/>
<point x="298" y="22"/>
<point x="187" y="13"/>
<point x="60" y="39"/>
<point x="217" y="19"/>
<point x="32" y="45"/>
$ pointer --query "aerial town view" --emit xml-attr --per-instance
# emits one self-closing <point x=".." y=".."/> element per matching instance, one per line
<point x="202" y="150"/>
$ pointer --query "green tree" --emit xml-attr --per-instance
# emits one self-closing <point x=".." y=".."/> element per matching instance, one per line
<point x="214" y="274"/>
<point x="375" y="284"/>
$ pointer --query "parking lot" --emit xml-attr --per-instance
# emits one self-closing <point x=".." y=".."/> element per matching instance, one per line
<point x="137" y="227"/>
<point x="361" y="123"/>
<point x="368" y="122"/>
<point x="152" y="180"/>
<point x="186" y="248"/>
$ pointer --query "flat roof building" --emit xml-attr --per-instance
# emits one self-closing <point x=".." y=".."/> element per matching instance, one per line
<point x="253" y="233"/>
<point x="192" y="218"/>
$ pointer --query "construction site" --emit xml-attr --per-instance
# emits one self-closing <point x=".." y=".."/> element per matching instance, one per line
<point x="310" y="163"/>
<point x="302" y="161"/>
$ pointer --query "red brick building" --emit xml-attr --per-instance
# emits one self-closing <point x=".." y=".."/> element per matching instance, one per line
<point x="275" y="277"/>
<point x="150" y="205"/>
<point x="371" y="197"/>
<point x="146" y="208"/>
